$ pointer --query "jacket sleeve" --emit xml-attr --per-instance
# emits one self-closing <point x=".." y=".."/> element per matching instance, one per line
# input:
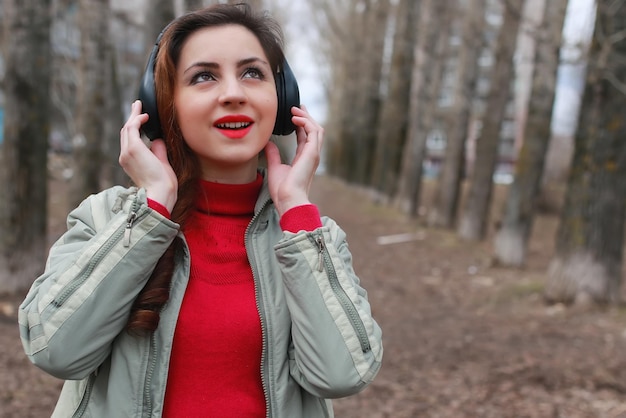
<point x="336" y="344"/>
<point x="81" y="302"/>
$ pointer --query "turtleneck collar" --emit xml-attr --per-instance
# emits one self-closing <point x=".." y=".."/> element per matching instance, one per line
<point x="228" y="199"/>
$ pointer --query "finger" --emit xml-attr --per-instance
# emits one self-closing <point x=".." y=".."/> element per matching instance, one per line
<point x="300" y="140"/>
<point x="272" y="154"/>
<point x="134" y="121"/>
<point x="300" y="110"/>
<point x="159" y="149"/>
<point x="124" y="129"/>
<point x="308" y="131"/>
<point x="306" y="126"/>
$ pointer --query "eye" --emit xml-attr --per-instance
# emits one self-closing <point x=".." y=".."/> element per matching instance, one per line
<point x="253" y="72"/>
<point x="202" y="76"/>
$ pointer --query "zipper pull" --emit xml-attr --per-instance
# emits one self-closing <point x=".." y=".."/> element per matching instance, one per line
<point x="320" y="245"/>
<point x="129" y="225"/>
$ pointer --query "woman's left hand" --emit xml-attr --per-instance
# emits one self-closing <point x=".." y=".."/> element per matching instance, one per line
<point x="290" y="184"/>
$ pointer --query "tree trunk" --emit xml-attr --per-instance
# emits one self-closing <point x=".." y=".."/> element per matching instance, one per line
<point x="159" y="13"/>
<point x="393" y="120"/>
<point x="23" y="158"/>
<point x="589" y="247"/>
<point x="113" y="173"/>
<point x="88" y="148"/>
<point x="191" y="5"/>
<point x="511" y="240"/>
<point x="257" y="4"/>
<point x="443" y="213"/>
<point x="354" y="107"/>
<point x="473" y="225"/>
<point x="340" y="25"/>
<point x="426" y="78"/>
<point x="365" y="112"/>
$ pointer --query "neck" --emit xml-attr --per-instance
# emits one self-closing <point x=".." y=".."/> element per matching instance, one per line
<point x="229" y="199"/>
<point x="230" y="175"/>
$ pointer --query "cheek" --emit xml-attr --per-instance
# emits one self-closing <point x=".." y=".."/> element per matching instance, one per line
<point x="272" y="106"/>
<point x="186" y="111"/>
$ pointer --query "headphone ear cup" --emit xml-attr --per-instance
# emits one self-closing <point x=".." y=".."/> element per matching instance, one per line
<point x="147" y="95"/>
<point x="288" y="96"/>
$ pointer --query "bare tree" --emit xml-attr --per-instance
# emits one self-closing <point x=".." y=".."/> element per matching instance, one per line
<point x="338" y="21"/>
<point x="443" y="212"/>
<point x="590" y="241"/>
<point x="91" y="101"/>
<point x="393" y="119"/>
<point x="257" y="4"/>
<point x="473" y="225"/>
<point x="159" y="13"/>
<point x="430" y="49"/>
<point x="191" y="5"/>
<point x="511" y="240"/>
<point x="113" y="172"/>
<point x="364" y="111"/>
<point x="23" y="157"/>
<point x="356" y="45"/>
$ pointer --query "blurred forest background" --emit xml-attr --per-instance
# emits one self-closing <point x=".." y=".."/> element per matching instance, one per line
<point x="457" y="93"/>
<point x="475" y="153"/>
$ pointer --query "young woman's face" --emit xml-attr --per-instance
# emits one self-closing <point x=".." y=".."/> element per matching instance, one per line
<point x="225" y="100"/>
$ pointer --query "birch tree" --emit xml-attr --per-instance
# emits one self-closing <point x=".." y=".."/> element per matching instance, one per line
<point x="432" y="41"/>
<point x="445" y="207"/>
<point x="473" y="224"/>
<point x="393" y="119"/>
<point x="587" y="264"/>
<point x="511" y="240"/>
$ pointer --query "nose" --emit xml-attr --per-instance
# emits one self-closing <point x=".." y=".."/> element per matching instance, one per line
<point x="232" y="92"/>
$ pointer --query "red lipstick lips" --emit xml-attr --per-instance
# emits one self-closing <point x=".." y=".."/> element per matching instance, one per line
<point x="234" y="126"/>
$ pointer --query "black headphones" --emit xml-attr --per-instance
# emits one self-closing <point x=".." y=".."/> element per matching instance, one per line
<point x="286" y="90"/>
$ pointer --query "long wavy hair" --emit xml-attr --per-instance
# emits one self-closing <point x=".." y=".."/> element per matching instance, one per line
<point x="145" y="313"/>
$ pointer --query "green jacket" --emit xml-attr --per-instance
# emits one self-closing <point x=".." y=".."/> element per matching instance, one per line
<point x="319" y="338"/>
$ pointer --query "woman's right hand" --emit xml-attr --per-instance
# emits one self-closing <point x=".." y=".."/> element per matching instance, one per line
<point x="147" y="167"/>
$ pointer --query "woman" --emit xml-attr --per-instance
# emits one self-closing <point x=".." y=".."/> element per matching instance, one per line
<point x="212" y="288"/>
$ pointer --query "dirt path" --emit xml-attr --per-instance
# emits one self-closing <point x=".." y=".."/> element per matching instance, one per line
<point x="462" y="338"/>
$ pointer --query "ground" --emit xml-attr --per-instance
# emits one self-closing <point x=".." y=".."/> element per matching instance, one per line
<point x="462" y="337"/>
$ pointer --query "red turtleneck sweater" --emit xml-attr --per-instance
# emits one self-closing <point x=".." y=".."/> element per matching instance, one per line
<point x="216" y="355"/>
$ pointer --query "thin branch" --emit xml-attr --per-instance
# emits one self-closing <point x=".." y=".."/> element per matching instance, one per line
<point x="615" y="82"/>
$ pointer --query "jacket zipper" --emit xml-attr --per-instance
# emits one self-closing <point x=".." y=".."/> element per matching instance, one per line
<point x="259" y="303"/>
<point x="132" y="217"/>
<point x="98" y="256"/>
<point x="82" y="407"/>
<point x="84" y="274"/>
<point x="147" y="394"/>
<point x="152" y="361"/>
<point x="324" y="261"/>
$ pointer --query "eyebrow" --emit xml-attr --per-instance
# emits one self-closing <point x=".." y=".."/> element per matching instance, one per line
<point x="240" y="63"/>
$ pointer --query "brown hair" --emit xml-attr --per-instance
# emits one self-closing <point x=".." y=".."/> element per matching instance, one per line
<point x="144" y="315"/>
